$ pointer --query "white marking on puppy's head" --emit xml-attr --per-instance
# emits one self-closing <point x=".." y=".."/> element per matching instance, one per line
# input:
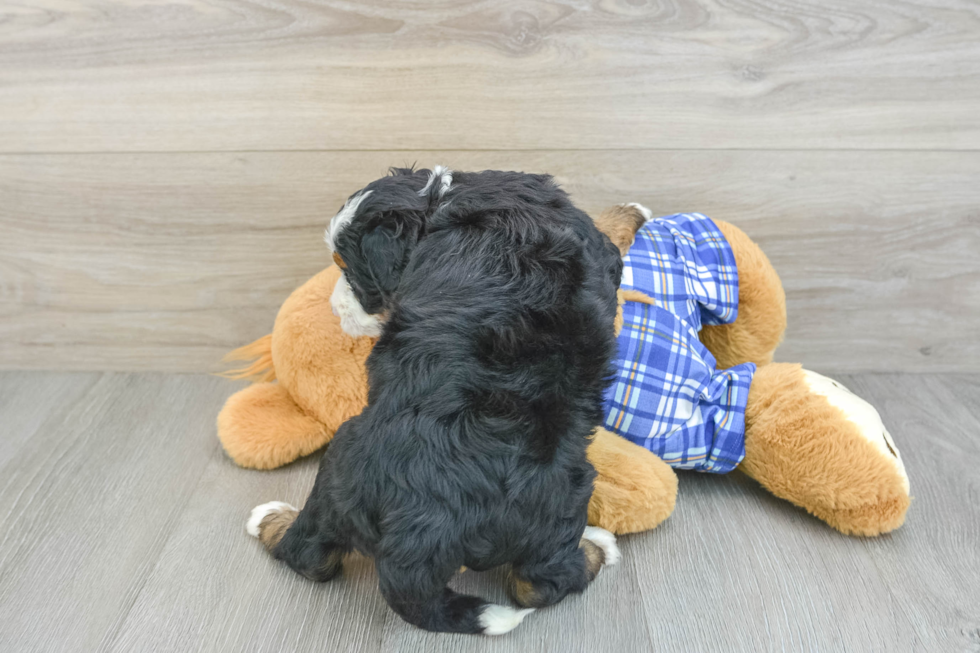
<point x="342" y="219"/>
<point x="353" y="318"/>
<point x="445" y="180"/>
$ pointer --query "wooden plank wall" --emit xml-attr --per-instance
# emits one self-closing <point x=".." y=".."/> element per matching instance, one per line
<point x="167" y="166"/>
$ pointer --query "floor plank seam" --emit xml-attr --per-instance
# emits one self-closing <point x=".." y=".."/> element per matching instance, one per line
<point x="109" y="639"/>
<point x="762" y="574"/>
<point x="59" y="453"/>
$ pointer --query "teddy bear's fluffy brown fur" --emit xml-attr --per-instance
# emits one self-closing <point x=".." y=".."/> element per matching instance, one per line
<point x="309" y="377"/>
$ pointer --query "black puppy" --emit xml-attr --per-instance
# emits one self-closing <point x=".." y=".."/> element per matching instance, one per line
<point x="498" y="298"/>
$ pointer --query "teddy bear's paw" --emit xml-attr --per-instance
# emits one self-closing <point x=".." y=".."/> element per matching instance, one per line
<point x="605" y="541"/>
<point x="861" y="414"/>
<point x="269" y="521"/>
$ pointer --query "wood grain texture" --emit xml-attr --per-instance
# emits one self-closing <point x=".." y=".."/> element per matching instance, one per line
<point x="606" y="617"/>
<point x="735" y="569"/>
<point x="167" y="261"/>
<point x="28" y="401"/>
<point x="93" y="477"/>
<point x="937" y="597"/>
<point x="192" y="75"/>
<point x="214" y="588"/>
<point x="124" y="531"/>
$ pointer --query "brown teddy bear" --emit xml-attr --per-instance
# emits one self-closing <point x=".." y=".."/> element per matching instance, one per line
<point x="804" y="437"/>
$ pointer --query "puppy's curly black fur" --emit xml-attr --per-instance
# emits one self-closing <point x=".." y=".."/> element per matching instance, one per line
<point x="485" y="385"/>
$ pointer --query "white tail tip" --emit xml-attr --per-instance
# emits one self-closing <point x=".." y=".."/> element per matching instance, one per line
<point x="500" y="619"/>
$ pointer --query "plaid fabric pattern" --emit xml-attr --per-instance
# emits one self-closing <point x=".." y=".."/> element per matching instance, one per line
<point x="667" y="395"/>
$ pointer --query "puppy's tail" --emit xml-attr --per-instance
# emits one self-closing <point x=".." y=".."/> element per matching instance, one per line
<point x="417" y="600"/>
<point x="445" y="611"/>
<point x="450" y="612"/>
<point x="261" y="369"/>
<point x="499" y="619"/>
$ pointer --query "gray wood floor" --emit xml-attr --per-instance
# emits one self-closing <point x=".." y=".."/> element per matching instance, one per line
<point x="124" y="531"/>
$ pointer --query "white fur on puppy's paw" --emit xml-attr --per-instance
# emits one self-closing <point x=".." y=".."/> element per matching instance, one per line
<point x="261" y="512"/>
<point x="605" y="541"/>
<point x="644" y="211"/>
<point x="500" y="619"/>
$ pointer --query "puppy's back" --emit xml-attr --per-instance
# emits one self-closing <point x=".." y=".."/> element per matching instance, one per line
<point x="484" y="388"/>
<point x="507" y="307"/>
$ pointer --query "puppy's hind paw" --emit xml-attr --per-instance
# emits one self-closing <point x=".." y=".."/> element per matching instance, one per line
<point x="269" y="522"/>
<point x="605" y="541"/>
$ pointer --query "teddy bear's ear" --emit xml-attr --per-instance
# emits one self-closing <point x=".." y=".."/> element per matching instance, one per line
<point x="621" y="222"/>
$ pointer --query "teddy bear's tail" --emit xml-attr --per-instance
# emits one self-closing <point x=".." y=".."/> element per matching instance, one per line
<point x="261" y="369"/>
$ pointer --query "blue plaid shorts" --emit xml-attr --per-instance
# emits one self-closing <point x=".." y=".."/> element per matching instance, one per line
<point x="667" y="395"/>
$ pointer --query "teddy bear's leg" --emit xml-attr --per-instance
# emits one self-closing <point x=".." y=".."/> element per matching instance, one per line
<point x="634" y="490"/>
<point x="262" y="427"/>
<point x="811" y="441"/>
<point x="758" y="330"/>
